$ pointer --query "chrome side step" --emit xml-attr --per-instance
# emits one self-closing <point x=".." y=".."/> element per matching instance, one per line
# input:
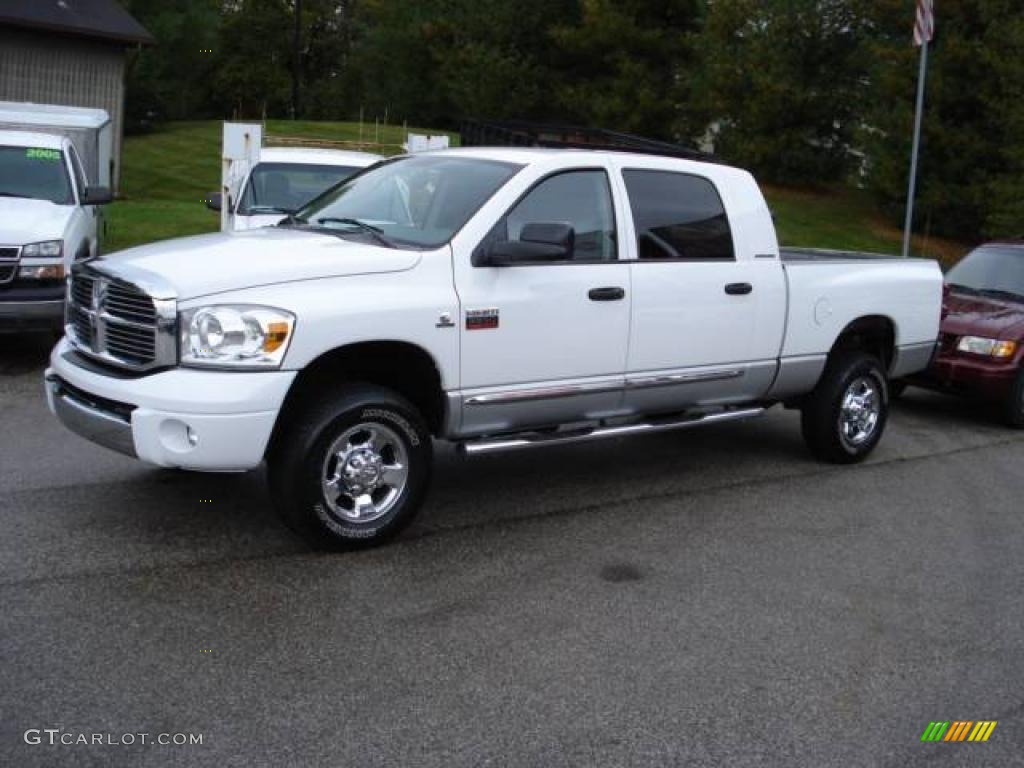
<point x="539" y="439"/>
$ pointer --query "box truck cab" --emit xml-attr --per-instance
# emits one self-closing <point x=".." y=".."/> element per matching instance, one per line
<point x="49" y="218"/>
<point x="54" y="176"/>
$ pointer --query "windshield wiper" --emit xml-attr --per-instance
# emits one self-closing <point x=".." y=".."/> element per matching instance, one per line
<point x="358" y="223"/>
<point x="376" y="232"/>
<point x="14" y="194"/>
<point x="999" y="293"/>
<point x="266" y="209"/>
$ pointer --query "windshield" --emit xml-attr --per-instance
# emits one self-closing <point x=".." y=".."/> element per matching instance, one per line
<point x="35" y="172"/>
<point x="990" y="270"/>
<point x="283" y="187"/>
<point x="419" y="201"/>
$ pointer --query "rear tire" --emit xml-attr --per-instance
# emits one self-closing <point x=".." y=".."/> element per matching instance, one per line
<point x="844" y="417"/>
<point x="1014" y="407"/>
<point x="352" y="470"/>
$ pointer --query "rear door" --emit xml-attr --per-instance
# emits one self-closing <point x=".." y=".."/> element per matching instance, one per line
<point x="707" y="314"/>
<point x="545" y="343"/>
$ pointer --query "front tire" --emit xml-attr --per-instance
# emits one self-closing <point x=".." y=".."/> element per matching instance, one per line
<point x="844" y="418"/>
<point x="352" y="470"/>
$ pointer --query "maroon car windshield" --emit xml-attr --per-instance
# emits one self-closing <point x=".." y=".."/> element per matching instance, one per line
<point x="996" y="271"/>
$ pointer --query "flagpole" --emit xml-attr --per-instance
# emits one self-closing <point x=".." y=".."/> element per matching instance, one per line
<point x="917" y="145"/>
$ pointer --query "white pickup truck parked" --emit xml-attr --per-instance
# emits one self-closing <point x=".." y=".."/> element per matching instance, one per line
<point x="497" y="298"/>
<point x="286" y="178"/>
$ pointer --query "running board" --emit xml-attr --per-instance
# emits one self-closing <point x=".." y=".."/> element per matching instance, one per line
<point x="537" y="440"/>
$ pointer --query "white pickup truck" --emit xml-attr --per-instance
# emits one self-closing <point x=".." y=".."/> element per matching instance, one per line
<point x="284" y="179"/>
<point x="496" y="298"/>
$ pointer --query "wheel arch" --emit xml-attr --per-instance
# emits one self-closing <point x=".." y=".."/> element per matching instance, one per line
<point x="874" y="334"/>
<point x="401" y="366"/>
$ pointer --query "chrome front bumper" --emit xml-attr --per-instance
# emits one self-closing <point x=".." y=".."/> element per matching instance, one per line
<point x="89" y="419"/>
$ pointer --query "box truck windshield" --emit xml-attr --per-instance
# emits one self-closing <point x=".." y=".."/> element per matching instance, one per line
<point x="35" y="172"/>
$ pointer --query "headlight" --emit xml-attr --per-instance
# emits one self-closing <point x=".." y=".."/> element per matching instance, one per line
<point x="47" y="248"/>
<point x="977" y="345"/>
<point x="48" y="272"/>
<point x="236" y="335"/>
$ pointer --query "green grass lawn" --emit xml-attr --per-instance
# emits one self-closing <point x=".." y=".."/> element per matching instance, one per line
<point x="846" y="219"/>
<point x="167" y="173"/>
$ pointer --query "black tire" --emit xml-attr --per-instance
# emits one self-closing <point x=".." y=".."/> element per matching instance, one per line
<point x="304" y="454"/>
<point x="1013" y="409"/>
<point x="822" y="416"/>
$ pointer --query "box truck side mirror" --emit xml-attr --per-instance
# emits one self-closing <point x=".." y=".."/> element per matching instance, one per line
<point x="97" y="196"/>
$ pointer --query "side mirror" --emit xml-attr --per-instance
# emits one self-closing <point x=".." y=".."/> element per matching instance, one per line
<point x="538" y="242"/>
<point x="213" y="201"/>
<point x="97" y="196"/>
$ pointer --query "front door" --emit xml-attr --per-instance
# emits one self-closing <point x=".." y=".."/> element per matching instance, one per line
<point x="545" y="343"/>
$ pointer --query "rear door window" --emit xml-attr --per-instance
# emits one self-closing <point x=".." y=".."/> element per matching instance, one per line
<point x="678" y="217"/>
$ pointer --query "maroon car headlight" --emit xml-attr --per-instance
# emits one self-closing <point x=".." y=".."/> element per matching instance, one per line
<point x="978" y="345"/>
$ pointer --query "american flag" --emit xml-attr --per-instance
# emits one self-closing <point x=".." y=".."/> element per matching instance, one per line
<point x="924" y="22"/>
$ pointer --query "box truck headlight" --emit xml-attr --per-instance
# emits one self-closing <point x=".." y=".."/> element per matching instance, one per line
<point x="49" y="249"/>
<point x="235" y="336"/>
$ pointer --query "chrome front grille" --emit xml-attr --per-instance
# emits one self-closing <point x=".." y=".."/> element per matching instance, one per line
<point x="116" y="321"/>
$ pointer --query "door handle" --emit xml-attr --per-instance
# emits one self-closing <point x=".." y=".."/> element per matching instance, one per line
<point x="612" y="293"/>
<point x="739" y="289"/>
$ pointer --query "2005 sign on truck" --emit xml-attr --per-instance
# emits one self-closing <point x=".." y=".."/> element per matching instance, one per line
<point x="497" y="298"/>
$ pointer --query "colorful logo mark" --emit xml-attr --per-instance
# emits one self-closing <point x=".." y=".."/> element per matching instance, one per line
<point x="959" y="730"/>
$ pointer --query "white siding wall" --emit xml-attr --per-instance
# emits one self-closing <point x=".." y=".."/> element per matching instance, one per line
<point x="54" y="69"/>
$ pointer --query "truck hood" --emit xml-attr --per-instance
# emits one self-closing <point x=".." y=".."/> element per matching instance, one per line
<point x="209" y="264"/>
<point x="25" y="220"/>
<point x="982" y="316"/>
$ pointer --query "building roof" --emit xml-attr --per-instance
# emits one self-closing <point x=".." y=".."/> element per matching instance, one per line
<point x="97" y="19"/>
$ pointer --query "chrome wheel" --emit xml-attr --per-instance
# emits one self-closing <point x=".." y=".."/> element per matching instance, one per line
<point x="365" y="472"/>
<point x="860" y="411"/>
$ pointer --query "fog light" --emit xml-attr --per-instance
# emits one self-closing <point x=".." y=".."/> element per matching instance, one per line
<point x="176" y="436"/>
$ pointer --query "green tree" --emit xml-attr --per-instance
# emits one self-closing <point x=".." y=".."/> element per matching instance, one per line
<point x="620" y="62"/>
<point x="253" y="74"/>
<point x="971" y="173"/>
<point x="171" y="79"/>
<point x="782" y="82"/>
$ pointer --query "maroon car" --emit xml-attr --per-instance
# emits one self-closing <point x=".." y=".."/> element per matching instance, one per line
<point x="981" y="343"/>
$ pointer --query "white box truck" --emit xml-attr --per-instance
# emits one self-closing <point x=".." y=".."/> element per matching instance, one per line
<point x="55" y="171"/>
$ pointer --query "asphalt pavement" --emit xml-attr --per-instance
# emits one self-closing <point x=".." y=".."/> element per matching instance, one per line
<point x="710" y="597"/>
